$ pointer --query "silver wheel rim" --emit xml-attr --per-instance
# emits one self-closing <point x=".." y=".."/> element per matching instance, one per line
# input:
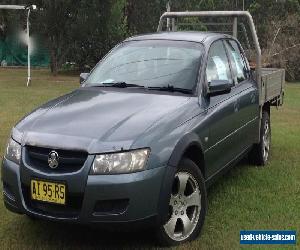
<point x="185" y="207"/>
<point x="266" y="141"/>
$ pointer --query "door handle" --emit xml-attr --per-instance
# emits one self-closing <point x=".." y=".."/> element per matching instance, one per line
<point x="236" y="106"/>
<point x="253" y="98"/>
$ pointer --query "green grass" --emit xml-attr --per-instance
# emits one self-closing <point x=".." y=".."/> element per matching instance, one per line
<point x="247" y="197"/>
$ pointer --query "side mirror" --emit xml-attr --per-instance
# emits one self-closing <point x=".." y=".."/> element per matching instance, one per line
<point x="218" y="87"/>
<point x="83" y="77"/>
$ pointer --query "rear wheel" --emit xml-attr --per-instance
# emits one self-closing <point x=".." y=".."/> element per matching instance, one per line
<point x="260" y="152"/>
<point x="187" y="206"/>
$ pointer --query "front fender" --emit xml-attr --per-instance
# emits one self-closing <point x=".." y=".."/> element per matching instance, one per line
<point x="183" y="144"/>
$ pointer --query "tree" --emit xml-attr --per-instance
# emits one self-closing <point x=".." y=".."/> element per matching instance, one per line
<point x="142" y="16"/>
<point x="279" y="33"/>
<point x="54" y="21"/>
<point x="80" y="31"/>
<point x="98" y="25"/>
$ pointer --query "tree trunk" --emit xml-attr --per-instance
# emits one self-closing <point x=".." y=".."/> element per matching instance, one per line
<point x="53" y="62"/>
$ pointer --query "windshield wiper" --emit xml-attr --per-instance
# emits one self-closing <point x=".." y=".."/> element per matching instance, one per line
<point x="171" y="88"/>
<point x="121" y="84"/>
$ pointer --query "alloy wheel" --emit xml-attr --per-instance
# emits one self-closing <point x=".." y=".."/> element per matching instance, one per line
<point x="184" y="207"/>
<point x="266" y="141"/>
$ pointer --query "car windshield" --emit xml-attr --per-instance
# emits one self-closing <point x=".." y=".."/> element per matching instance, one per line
<point x="150" y="63"/>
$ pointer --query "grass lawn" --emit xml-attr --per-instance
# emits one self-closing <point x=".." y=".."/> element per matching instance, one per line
<point x="247" y="197"/>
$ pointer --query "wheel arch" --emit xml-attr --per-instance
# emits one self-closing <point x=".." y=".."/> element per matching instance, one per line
<point x="190" y="147"/>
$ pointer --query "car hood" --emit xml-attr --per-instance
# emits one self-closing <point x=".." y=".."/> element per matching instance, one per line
<point x="94" y="119"/>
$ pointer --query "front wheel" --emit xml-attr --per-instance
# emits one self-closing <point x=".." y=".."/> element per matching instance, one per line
<point x="187" y="206"/>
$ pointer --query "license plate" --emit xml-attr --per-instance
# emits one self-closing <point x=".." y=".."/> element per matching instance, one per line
<point x="48" y="191"/>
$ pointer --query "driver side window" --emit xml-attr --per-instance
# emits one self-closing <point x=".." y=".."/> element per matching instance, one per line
<point x="239" y="65"/>
<point x="217" y="64"/>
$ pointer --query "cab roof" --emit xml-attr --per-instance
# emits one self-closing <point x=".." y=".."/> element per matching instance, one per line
<point x="191" y="36"/>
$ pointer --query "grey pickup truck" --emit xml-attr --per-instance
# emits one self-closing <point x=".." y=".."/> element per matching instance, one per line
<point x="157" y="120"/>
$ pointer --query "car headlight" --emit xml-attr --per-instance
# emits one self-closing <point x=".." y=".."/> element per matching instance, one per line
<point x="120" y="163"/>
<point x="13" y="151"/>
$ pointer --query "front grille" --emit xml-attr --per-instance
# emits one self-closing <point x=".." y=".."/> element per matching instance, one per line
<point x="70" y="210"/>
<point x="69" y="160"/>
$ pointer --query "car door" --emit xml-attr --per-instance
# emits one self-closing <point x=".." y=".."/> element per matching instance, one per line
<point x="221" y="113"/>
<point x="246" y="90"/>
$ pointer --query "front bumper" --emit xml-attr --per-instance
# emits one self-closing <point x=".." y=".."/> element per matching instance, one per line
<point x="92" y="198"/>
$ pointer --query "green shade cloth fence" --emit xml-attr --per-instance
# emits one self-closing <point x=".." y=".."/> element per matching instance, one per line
<point x="14" y="53"/>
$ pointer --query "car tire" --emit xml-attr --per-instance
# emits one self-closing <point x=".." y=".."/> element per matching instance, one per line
<point x="260" y="152"/>
<point x="187" y="206"/>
